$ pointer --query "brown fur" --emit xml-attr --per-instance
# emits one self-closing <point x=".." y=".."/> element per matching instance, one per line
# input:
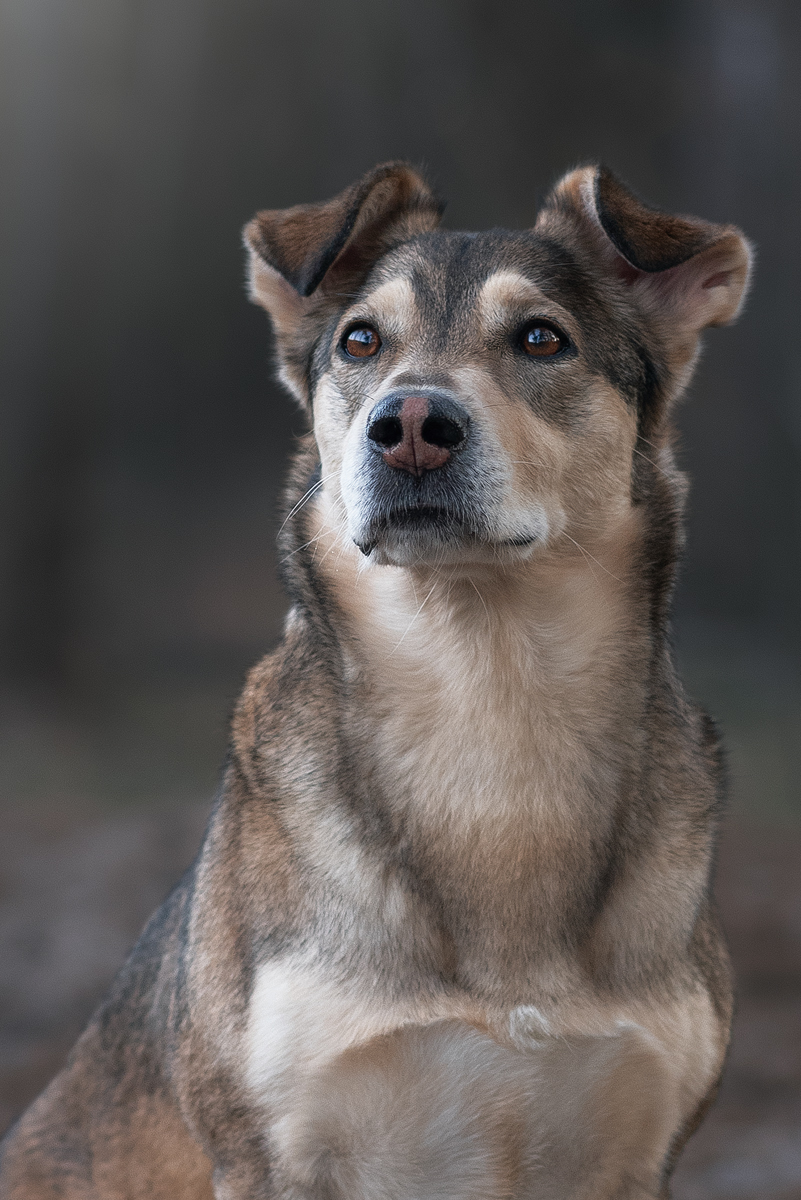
<point x="450" y="931"/>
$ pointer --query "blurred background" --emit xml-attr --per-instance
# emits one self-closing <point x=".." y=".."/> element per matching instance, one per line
<point x="143" y="441"/>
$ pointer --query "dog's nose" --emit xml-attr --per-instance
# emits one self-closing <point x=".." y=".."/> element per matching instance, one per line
<point x="417" y="433"/>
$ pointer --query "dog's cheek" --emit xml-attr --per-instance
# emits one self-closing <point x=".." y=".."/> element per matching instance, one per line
<point x="535" y="455"/>
<point x="579" y="475"/>
<point x="597" y="480"/>
<point x="352" y="473"/>
<point x="331" y="422"/>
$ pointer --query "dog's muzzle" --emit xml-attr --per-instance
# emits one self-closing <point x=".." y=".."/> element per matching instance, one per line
<point x="424" y="485"/>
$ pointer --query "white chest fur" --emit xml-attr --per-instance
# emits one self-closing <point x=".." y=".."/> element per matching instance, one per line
<point x="364" y="1099"/>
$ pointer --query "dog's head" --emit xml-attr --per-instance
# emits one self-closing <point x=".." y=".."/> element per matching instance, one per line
<point x="477" y="396"/>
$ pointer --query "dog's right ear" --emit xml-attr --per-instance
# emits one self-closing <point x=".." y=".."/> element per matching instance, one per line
<point x="684" y="273"/>
<point x="301" y="255"/>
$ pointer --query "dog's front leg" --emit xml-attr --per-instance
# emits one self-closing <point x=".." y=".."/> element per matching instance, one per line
<point x="622" y="1089"/>
<point x="217" y="1108"/>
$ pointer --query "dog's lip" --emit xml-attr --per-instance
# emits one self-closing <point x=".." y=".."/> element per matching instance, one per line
<point x="409" y="516"/>
<point x="421" y="512"/>
<point x="525" y="539"/>
<point x="420" y="515"/>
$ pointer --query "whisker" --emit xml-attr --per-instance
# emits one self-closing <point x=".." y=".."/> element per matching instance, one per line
<point x="414" y="618"/>
<point x="450" y="586"/>
<point x="587" y="554"/>
<point x="653" y="445"/>
<point x="655" y="465"/>
<point x="338" y="542"/>
<point x="298" y="549"/>
<point x="586" y="557"/>
<point x="304" y="498"/>
<point x="483" y="602"/>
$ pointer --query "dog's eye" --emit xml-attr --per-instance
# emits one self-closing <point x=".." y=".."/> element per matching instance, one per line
<point x="541" y="340"/>
<point x="361" y="342"/>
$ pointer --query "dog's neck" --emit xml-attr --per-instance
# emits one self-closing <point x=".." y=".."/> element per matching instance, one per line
<point x="496" y="688"/>
<point x="498" y="716"/>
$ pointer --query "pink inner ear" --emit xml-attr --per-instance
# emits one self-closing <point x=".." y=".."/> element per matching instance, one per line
<point x="625" y="271"/>
<point x="719" y="280"/>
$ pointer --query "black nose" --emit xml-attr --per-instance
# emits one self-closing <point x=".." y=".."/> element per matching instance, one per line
<point x="417" y="433"/>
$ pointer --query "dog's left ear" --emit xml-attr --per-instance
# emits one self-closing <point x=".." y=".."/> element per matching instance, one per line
<point x="327" y="248"/>
<point x="308" y="260"/>
<point x="688" y="272"/>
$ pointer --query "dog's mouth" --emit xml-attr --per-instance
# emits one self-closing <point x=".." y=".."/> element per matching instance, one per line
<point x="431" y="525"/>
<point x="427" y="522"/>
<point x="419" y="515"/>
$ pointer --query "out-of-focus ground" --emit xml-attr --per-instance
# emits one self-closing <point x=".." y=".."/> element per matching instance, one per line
<point x="88" y="850"/>
<point x="750" y="1146"/>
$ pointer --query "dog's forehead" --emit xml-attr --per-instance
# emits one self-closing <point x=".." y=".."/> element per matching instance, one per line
<point x="449" y="276"/>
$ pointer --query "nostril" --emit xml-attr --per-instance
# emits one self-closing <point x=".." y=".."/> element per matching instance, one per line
<point x="386" y="431"/>
<point x="440" y="431"/>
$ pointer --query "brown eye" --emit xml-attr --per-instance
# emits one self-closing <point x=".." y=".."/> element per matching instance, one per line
<point x="541" y="341"/>
<point x="361" y="342"/>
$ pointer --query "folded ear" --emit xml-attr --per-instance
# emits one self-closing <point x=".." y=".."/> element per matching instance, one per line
<point x="690" y="272"/>
<point x="328" y="248"/>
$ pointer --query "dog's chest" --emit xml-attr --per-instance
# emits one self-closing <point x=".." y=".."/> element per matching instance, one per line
<point x="488" y="753"/>
<point x="359" y="1094"/>
<point x="423" y="1096"/>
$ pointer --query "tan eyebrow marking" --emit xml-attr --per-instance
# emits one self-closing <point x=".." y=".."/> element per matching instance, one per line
<point x="502" y="291"/>
<point x="392" y="301"/>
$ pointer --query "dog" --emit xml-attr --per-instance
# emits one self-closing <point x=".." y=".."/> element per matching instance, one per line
<point x="450" y="935"/>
